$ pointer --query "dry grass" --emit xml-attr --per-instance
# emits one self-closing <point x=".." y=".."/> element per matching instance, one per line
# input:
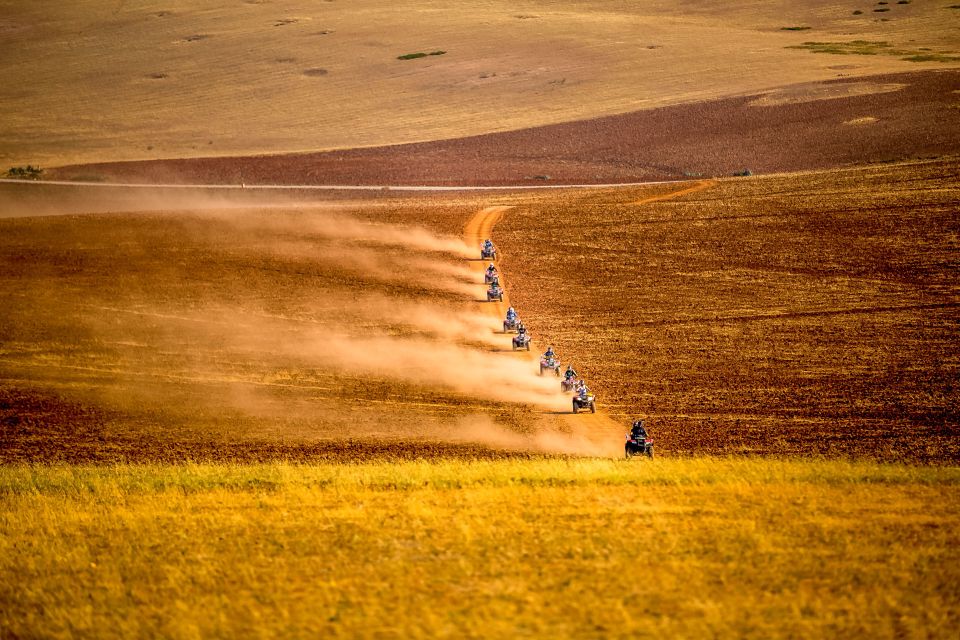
<point x="697" y="547"/>
<point x="89" y="81"/>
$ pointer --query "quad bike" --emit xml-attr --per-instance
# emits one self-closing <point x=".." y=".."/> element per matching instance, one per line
<point x="549" y="363"/>
<point x="569" y="384"/>
<point x="488" y="253"/>
<point x="637" y="445"/>
<point x="588" y="402"/>
<point x="511" y="325"/>
<point x="521" y="341"/>
<point x="490" y="278"/>
<point x="494" y="293"/>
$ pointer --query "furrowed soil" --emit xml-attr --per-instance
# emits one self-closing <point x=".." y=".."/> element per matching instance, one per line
<point x="801" y="314"/>
<point x="796" y="314"/>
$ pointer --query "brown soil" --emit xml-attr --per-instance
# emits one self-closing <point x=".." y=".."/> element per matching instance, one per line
<point x="801" y="314"/>
<point x="803" y="128"/>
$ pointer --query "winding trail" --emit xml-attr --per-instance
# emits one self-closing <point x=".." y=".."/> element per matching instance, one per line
<point x="593" y="434"/>
<point x="699" y="186"/>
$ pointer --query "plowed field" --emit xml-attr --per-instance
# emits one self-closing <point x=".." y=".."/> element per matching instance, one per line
<point x="802" y="314"/>
<point x="797" y="314"/>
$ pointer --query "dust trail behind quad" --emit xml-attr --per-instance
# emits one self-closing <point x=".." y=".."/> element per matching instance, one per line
<point x="584" y="433"/>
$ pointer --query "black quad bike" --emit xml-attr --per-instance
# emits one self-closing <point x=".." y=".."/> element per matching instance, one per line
<point x="638" y="445"/>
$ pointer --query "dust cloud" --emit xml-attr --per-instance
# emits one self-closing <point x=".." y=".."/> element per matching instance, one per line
<point x="482" y="429"/>
<point x="302" y="319"/>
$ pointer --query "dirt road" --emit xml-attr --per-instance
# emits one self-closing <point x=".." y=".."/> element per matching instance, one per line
<point x="587" y="433"/>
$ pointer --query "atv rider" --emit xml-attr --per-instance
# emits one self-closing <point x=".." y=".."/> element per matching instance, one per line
<point x="520" y="328"/>
<point x="583" y="391"/>
<point x="638" y="431"/>
<point x="492" y="270"/>
<point x="570" y="373"/>
<point x="511" y="314"/>
<point x="487" y="245"/>
<point x="549" y="354"/>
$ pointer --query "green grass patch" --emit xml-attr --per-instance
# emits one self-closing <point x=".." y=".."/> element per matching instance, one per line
<point x="28" y="172"/>
<point x="853" y="47"/>
<point x="419" y="54"/>
<point x="544" y="548"/>
<point x="873" y="48"/>
<point x="932" y="57"/>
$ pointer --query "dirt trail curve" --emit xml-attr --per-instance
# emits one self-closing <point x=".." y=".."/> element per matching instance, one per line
<point x="600" y="432"/>
<point x="699" y="186"/>
<point x="599" y="429"/>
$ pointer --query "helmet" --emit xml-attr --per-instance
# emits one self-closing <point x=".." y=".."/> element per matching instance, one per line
<point x="491" y="266"/>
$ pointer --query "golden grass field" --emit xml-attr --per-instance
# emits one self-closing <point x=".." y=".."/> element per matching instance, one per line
<point x="705" y="547"/>
<point x="88" y="81"/>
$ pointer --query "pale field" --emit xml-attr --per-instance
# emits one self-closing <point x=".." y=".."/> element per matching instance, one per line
<point x="547" y="548"/>
<point x="87" y="80"/>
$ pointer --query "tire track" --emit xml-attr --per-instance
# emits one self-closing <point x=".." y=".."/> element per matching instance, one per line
<point x="699" y="186"/>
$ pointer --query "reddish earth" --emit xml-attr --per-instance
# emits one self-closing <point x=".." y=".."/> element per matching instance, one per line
<point x="791" y="315"/>
<point x="713" y="138"/>
<point x="796" y="314"/>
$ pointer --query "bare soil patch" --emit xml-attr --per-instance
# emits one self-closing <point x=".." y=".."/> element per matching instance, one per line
<point x="802" y="314"/>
